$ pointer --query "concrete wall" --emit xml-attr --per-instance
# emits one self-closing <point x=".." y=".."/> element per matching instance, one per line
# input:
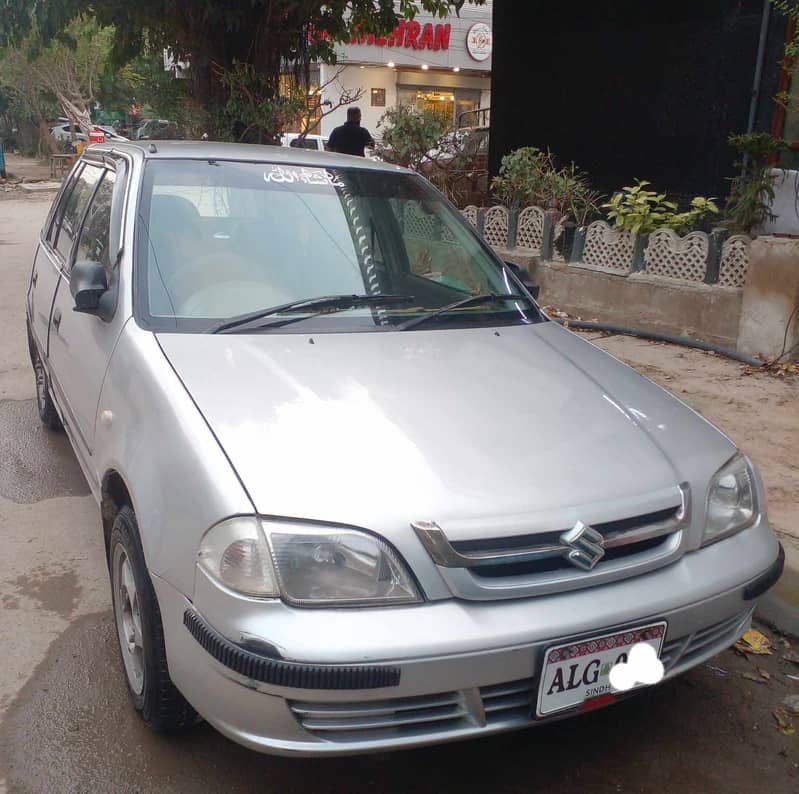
<point x="770" y="312"/>
<point x="784" y="206"/>
<point x="711" y="313"/>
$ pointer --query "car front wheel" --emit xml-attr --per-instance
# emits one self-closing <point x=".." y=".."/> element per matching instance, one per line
<point x="140" y="632"/>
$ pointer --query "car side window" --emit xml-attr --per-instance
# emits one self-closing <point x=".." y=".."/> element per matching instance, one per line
<point x="94" y="241"/>
<point x="75" y="205"/>
<point x="59" y="210"/>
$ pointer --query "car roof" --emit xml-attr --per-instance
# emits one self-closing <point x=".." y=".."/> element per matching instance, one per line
<point x="241" y="152"/>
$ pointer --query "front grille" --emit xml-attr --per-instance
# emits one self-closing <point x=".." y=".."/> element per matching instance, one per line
<point x="688" y="650"/>
<point x="552" y="564"/>
<point x="669" y="518"/>
<point x="510" y="702"/>
<point x="380" y="719"/>
<point x="545" y="538"/>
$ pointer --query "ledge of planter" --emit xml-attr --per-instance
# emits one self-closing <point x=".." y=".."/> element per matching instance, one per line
<point x="770" y="296"/>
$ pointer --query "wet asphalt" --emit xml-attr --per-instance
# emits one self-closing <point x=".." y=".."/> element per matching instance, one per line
<point x="66" y="724"/>
<point x="35" y="464"/>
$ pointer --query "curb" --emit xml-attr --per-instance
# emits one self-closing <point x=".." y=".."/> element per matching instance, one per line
<point x="778" y="614"/>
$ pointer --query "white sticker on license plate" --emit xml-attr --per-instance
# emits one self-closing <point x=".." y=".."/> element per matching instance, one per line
<point x="580" y="671"/>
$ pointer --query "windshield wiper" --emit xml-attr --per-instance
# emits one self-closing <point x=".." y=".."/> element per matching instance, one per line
<point x="472" y="300"/>
<point x="325" y="302"/>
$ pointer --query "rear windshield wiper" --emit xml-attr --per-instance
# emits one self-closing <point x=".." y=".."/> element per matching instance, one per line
<point x="472" y="300"/>
<point x="325" y="302"/>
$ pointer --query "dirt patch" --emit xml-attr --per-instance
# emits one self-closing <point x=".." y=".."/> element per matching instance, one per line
<point x="71" y="729"/>
<point x="27" y="168"/>
<point x="35" y="463"/>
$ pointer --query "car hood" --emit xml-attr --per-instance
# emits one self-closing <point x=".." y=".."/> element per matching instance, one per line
<point x="482" y="430"/>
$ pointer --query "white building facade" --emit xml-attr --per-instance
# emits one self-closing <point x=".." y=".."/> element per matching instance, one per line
<point x="443" y="64"/>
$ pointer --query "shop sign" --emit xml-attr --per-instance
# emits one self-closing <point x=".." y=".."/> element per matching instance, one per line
<point x="411" y="35"/>
<point x="479" y="41"/>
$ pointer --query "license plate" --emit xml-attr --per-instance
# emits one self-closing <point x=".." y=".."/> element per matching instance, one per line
<point x="580" y="671"/>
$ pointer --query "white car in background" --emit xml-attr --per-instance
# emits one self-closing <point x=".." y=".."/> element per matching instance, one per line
<point x="61" y="132"/>
<point x="315" y="143"/>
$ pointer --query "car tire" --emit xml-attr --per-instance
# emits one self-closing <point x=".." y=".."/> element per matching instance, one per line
<point x="44" y="402"/>
<point x="140" y="632"/>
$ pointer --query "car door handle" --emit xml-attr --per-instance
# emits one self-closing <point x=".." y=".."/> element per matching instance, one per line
<point x="34" y="277"/>
<point x="57" y="318"/>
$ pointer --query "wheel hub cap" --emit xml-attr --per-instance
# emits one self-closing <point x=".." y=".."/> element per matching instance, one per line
<point x="128" y="619"/>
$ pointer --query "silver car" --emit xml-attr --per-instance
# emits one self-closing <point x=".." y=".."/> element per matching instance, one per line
<point x="357" y="491"/>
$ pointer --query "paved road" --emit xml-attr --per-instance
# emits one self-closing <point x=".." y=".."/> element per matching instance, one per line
<point x="65" y="725"/>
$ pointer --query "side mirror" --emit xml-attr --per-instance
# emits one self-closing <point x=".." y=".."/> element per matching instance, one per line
<point x="87" y="283"/>
<point x="524" y="277"/>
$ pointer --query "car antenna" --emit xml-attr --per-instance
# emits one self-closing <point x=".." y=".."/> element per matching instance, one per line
<point x="152" y="149"/>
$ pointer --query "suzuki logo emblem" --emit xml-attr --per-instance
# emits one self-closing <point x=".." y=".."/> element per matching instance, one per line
<point x="586" y="547"/>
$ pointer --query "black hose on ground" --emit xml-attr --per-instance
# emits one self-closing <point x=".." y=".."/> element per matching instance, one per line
<point x="656" y="336"/>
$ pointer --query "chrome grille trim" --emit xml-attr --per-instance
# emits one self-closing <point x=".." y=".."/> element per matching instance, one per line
<point x="418" y="717"/>
<point x="447" y="556"/>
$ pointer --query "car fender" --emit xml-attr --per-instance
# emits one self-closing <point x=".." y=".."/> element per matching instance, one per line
<point x="152" y="435"/>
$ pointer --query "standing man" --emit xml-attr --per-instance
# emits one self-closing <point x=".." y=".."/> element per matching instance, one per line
<point x="350" y="138"/>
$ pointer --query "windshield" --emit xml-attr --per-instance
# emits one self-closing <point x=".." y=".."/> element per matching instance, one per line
<point x="218" y="240"/>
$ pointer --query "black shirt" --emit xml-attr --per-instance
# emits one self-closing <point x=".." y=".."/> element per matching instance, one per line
<point x="350" y="138"/>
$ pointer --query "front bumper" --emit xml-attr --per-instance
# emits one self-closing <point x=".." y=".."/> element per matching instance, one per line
<point x="465" y="669"/>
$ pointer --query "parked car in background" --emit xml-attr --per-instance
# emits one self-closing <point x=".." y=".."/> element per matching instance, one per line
<point x="358" y="493"/>
<point x="316" y="143"/>
<point x="61" y="132"/>
<point x="69" y="143"/>
<point x="469" y="144"/>
<point x="158" y="129"/>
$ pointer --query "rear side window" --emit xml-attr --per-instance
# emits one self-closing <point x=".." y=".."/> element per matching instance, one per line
<point x="52" y="235"/>
<point x="94" y="239"/>
<point x="74" y="207"/>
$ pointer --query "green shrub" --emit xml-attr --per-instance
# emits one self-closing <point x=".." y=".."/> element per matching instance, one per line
<point x="640" y="211"/>
<point x="529" y="176"/>
<point x="752" y="192"/>
<point x="409" y="134"/>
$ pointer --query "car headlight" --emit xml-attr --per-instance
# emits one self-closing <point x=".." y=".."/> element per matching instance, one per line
<point x="731" y="501"/>
<point x="328" y="566"/>
<point x="307" y="566"/>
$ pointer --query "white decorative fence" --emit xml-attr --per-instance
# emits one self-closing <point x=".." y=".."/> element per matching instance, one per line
<point x="495" y="227"/>
<point x="608" y="249"/>
<point x="696" y="257"/>
<point x="734" y="261"/>
<point x="673" y="256"/>
<point x="530" y="229"/>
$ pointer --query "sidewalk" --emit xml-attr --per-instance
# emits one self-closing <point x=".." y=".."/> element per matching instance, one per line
<point x="27" y="168"/>
<point x="760" y="412"/>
